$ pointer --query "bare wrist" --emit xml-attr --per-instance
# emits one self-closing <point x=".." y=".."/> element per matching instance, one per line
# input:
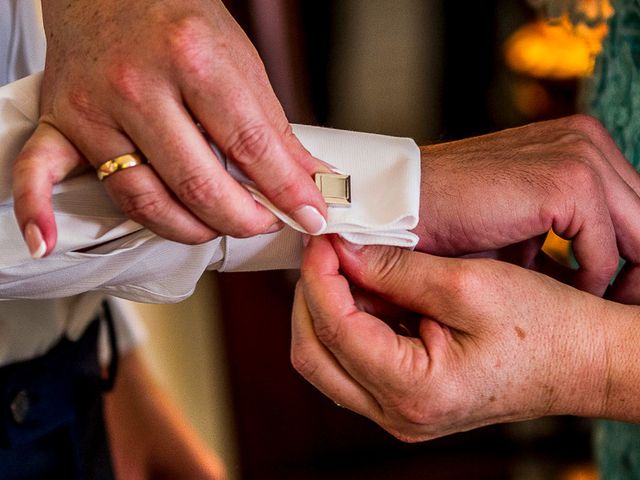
<point x="621" y="394"/>
<point x="585" y="366"/>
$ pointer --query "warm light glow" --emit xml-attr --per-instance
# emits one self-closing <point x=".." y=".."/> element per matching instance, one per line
<point x="558" y="48"/>
<point x="558" y="249"/>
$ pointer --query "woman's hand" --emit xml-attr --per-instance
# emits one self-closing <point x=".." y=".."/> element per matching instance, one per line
<point x="148" y="75"/>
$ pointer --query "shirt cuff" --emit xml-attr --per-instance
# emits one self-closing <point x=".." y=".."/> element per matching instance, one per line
<point x="385" y="191"/>
<point x="99" y="249"/>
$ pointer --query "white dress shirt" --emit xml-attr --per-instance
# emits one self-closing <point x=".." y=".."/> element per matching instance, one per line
<point x="101" y="251"/>
<point x="29" y="328"/>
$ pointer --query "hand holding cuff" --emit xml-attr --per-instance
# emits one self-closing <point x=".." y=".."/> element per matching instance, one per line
<point x="385" y="191"/>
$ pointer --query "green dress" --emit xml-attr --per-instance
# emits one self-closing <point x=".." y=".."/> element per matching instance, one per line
<point x="615" y="100"/>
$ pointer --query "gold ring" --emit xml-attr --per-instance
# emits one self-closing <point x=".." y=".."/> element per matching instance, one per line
<point x="121" y="162"/>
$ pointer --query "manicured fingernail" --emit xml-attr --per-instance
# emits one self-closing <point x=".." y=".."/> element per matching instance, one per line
<point x="276" y="227"/>
<point x="333" y="168"/>
<point x="310" y="219"/>
<point x="305" y="239"/>
<point x="35" y="241"/>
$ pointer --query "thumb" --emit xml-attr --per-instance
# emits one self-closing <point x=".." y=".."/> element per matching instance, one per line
<point x="45" y="160"/>
<point x="416" y="281"/>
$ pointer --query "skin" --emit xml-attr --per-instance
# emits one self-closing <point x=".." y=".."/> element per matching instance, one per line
<point x="427" y="346"/>
<point x="122" y="76"/>
<point x="493" y="342"/>
<point x="495" y="195"/>
<point x="499" y="195"/>
<point x="150" y="438"/>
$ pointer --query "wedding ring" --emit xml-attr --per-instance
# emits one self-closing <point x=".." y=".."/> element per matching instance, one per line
<point x="121" y="162"/>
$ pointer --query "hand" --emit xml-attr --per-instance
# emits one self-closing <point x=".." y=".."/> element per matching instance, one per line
<point x="122" y="76"/>
<point x="495" y="343"/>
<point x="509" y="188"/>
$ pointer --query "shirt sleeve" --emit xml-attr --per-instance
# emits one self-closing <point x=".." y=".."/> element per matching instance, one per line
<point x="99" y="249"/>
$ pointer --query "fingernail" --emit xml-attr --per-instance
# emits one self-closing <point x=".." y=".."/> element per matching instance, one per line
<point x="276" y="227"/>
<point x="310" y="219"/>
<point x="305" y="239"/>
<point x="34" y="240"/>
<point x="333" y="168"/>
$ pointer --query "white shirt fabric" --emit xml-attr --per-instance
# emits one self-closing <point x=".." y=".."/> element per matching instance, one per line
<point x="29" y="328"/>
<point x="101" y="251"/>
<point x="22" y="39"/>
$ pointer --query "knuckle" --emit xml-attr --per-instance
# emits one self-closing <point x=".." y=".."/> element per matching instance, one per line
<point x="128" y="82"/>
<point x="588" y="124"/>
<point x="328" y="333"/>
<point x="250" y="144"/>
<point x="581" y="174"/>
<point x="245" y="227"/>
<point x="386" y="267"/>
<point x="286" y="190"/>
<point x="24" y="165"/>
<point x="464" y="280"/>
<point x="609" y="267"/>
<point x="302" y="363"/>
<point x="198" y="191"/>
<point x="144" y="208"/>
<point x="189" y="46"/>
<point x="201" y="193"/>
<point x="79" y="104"/>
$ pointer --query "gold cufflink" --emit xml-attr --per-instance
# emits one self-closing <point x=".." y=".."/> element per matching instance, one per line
<point x="335" y="188"/>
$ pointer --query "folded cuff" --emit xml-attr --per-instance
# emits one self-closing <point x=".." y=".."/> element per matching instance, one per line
<point x="385" y="191"/>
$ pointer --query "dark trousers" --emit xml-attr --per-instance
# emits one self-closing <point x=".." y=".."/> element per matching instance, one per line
<point x="52" y="423"/>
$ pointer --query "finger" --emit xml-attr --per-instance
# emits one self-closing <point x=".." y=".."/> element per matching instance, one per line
<point x="626" y="288"/>
<point x="596" y="251"/>
<point x="415" y="281"/>
<point x="366" y="347"/>
<point x="144" y="198"/>
<point x="182" y="157"/>
<point x="320" y="368"/>
<point x="623" y="201"/>
<point x="278" y="119"/>
<point x="269" y="156"/>
<point x="45" y="160"/>
<point x="621" y="186"/>
<point x="400" y="320"/>
<point x="603" y="140"/>
<point x="138" y="191"/>
<point x="378" y="307"/>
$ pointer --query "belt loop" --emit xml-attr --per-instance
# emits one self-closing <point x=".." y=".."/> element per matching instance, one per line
<point x="112" y="369"/>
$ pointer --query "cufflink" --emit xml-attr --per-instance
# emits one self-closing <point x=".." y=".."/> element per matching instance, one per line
<point x="335" y="188"/>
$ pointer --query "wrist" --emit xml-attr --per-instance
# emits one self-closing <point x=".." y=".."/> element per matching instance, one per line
<point x="620" y="399"/>
<point x="583" y="366"/>
<point x="447" y="210"/>
<point x="427" y="217"/>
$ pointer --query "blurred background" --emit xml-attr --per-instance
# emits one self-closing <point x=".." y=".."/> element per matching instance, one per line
<point x="433" y="70"/>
